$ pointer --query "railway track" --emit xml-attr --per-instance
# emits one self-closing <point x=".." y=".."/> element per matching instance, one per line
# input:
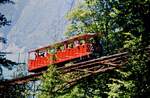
<point x="92" y="66"/>
<point x="105" y="60"/>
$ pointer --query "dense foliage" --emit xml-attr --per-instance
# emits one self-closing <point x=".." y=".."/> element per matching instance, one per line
<point x="123" y="25"/>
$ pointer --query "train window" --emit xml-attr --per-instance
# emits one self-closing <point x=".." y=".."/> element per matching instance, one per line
<point x="49" y="50"/>
<point x="42" y="53"/>
<point x="58" y="48"/>
<point x="32" y="55"/>
<point x="62" y="47"/>
<point x="76" y="43"/>
<point x="70" y="45"/>
<point x="92" y="40"/>
<point x="82" y="41"/>
<point x="53" y="50"/>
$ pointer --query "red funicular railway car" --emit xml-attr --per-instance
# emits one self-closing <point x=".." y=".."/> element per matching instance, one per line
<point x="84" y="45"/>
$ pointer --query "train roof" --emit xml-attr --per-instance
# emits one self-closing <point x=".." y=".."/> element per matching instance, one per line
<point x="77" y="37"/>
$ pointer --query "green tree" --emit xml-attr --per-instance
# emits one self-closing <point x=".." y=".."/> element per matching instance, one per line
<point x="3" y="22"/>
<point x="97" y="16"/>
<point x="123" y="25"/>
<point x="51" y="83"/>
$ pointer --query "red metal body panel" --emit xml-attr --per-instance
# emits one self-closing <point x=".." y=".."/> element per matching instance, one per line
<point x="60" y="56"/>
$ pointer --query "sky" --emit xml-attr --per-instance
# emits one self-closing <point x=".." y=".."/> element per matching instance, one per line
<point x="34" y="24"/>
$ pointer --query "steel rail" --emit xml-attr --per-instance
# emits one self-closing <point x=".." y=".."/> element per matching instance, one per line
<point x="73" y="67"/>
